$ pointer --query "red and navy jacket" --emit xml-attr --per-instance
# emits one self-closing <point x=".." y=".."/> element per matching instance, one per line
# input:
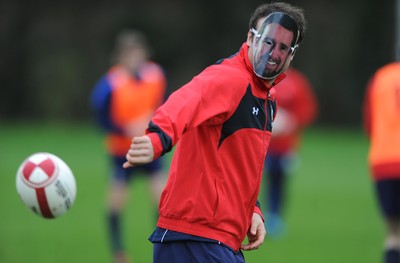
<point x="221" y="125"/>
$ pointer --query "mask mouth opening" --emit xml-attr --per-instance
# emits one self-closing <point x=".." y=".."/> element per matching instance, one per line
<point x="274" y="45"/>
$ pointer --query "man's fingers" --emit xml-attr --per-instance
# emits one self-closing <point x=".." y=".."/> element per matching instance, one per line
<point x="140" y="139"/>
<point x="137" y="152"/>
<point x="247" y="247"/>
<point x="140" y="152"/>
<point x="140" y="143"/>
<point x="127" y="165"/>
<point x="255" y="244"/>
<point x="138" y="157"/>
<point x="138" y="160"/>
<point x="256" y="233"/>
<point x="253" y="229"/>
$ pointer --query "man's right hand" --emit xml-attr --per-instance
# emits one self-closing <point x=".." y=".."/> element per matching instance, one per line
<point x="141" y="152"/>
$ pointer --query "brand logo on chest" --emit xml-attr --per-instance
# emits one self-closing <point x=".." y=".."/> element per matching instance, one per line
<point x="255" y="110"/>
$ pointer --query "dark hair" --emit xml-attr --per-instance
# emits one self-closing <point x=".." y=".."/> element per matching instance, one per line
<point x="294" y="12"/>
<point x="128" y="39"/>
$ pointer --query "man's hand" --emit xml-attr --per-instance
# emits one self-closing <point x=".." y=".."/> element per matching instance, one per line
<point x="141" y="152"/>
<point x="256" y="233"/>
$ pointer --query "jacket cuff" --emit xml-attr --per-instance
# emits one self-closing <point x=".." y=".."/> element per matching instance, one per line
<point x="156" y="142"/>
<point x="257" y="210"/>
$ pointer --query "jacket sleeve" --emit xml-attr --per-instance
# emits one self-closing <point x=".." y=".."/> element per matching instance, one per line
<point x="367" y="109"/>
<point x="208" y="99"/>
<point x="100" y="101"/>
<point x="257" y="209"/>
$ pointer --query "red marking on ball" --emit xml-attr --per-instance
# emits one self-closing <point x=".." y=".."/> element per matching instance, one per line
<point x="47" y="166"/>
<point x="43" y="203"/>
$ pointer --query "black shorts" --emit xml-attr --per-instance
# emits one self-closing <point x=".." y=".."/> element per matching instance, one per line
<point x="176" y="247"/>
<point x="121" y="174"/>
<point x="388" y="192"/>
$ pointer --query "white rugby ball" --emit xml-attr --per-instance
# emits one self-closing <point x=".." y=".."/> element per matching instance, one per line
<point x="46" y="185"/>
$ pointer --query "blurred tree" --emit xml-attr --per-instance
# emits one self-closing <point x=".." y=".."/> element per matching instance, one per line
<point x="53" y="51"/>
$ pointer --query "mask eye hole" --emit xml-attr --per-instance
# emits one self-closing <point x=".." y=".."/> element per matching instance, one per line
<point x="284" y="48"/>
<point x="269" y="42"/>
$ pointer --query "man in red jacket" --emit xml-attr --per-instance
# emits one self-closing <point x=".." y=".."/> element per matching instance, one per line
<point x="221" y="123"/>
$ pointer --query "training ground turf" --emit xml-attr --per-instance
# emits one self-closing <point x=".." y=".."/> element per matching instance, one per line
<point x="331" y="214"/>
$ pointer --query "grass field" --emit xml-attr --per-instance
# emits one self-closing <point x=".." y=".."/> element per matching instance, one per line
<point x="331" y="214"/>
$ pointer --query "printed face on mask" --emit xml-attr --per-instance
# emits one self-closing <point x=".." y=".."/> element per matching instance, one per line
<point x="272" y="50"/>
<point x="273" y="45"/>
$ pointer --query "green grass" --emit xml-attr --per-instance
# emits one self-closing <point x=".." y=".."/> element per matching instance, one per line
<point x="331" y="214"/>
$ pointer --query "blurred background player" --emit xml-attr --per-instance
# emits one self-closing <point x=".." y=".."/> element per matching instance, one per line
<point x="297" y="108"/>
<point x="382" y="124"/>
<point x="124" y="101"/>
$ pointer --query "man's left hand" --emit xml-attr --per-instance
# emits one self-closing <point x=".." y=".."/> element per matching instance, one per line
<point x="256" y="233"/>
